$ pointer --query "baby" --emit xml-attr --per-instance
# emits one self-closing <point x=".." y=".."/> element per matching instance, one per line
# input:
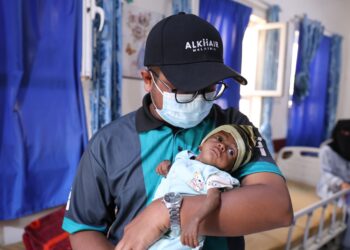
<point x="222" y="151"/>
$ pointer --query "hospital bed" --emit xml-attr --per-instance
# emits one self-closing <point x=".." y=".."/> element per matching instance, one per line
<point x="316" y="222"/>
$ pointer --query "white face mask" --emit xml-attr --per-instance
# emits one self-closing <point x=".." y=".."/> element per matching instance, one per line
<point x="183" y="115"/>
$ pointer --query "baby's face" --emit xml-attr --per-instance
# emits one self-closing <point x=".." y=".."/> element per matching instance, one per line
<point x="219" y="150"/>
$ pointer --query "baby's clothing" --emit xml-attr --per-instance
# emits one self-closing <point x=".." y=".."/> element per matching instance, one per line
<point x="190" y="177"/>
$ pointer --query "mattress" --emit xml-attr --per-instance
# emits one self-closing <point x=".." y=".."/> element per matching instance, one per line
<point x="302" y="196"/>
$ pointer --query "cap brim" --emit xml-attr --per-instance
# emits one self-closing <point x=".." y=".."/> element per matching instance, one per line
<point x="196" y="76"/>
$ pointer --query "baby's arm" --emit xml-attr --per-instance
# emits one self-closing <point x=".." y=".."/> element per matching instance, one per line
<point x="163" y="168"/>
<point x="189" y="232"/>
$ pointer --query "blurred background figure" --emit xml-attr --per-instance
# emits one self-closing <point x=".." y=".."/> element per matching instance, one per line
<point x="335" y="167"/>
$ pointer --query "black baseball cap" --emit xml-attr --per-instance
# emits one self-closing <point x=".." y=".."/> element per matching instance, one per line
<point x="189" y="52"/>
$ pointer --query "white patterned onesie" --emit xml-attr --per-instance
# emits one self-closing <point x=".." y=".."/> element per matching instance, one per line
<point x="190" y="177"/>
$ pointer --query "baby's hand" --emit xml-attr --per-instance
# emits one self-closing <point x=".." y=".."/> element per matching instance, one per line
<point x="163" y="168"/>
<point x="189" y="234"/>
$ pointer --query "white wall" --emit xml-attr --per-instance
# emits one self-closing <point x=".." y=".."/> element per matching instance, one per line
<point x="132" y="90"/>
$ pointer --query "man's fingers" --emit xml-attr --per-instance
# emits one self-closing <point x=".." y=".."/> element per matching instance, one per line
<point x="187" y="240"/>
<point x="195" y="242"/>
<point x="182" y="239"/>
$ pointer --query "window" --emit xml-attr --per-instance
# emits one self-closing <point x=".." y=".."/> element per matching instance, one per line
<point x="295" y="48"/>
<point x="254" y="56"/>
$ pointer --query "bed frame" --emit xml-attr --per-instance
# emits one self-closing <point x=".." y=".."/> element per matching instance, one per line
<point x="326" y="230"/>
<point x="316" y="222"/>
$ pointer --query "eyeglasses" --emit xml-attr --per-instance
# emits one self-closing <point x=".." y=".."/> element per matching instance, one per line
<point x="210" y="93"/>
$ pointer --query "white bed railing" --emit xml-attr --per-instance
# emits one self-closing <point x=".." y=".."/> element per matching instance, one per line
<point x="324" y="233"/>
<point x="302" y="165"/>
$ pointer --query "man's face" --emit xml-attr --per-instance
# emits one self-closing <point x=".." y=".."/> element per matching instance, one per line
<point x="154" y="77"/>
<point x="219" y="150"/>
<point x="178" y="108"/>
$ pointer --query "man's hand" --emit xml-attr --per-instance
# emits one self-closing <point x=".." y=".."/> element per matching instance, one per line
<point x="147" y="227"/>
<point x="189" y="233"/>
<point x="163" y="168"/>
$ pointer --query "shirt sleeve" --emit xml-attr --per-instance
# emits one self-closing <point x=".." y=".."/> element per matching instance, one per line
<point x="261" y="160"/>
<point x="89" y="206"/>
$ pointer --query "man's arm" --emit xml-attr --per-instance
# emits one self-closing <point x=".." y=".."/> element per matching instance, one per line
<point x="90" y="240"/>
<point x="189" y="232"/>
<point x="262" y="203"/>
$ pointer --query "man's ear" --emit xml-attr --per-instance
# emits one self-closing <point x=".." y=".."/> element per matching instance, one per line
<point x="147" y="80"/>
<point x="200" y="147"/>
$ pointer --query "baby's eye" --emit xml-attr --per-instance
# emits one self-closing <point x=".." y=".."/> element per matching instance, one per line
<point x="231" y="152"/>
<point x="219" y="139"/>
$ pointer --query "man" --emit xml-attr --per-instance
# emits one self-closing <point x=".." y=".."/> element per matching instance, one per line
<point x="112" y="194"/>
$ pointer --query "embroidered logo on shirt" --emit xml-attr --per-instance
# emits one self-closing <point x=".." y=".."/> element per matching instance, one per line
<point x="197" y="182"/>
<point x="261" y="146"/>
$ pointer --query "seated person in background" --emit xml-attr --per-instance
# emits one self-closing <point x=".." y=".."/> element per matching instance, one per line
<point x="335" y="166"/>
<point x="222" y="151"/>
<point x="335" y="161"/>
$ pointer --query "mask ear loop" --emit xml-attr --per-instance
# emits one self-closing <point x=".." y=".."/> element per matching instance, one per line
<point x="154" y="82"/>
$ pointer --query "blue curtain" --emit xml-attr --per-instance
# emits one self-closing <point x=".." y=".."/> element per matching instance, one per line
<point x="231" y="19"/>
<point x="311" y="37"/>
<point x="270" y="76"/>
<point x="307" y="117"/>
<point x="181" y="6"/>
<point x="42" y="120"/>
<point x="105" y="93"/>
<point x="333" y="83"/>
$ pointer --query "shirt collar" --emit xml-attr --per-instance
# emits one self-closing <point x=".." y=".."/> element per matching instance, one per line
<point x="145" y="121"/>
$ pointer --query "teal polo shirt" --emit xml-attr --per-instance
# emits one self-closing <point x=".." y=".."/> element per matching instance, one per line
<point x="116" y="177"/>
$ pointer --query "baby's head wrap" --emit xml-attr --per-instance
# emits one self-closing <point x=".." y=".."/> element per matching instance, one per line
<point x="245" y="140"/>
